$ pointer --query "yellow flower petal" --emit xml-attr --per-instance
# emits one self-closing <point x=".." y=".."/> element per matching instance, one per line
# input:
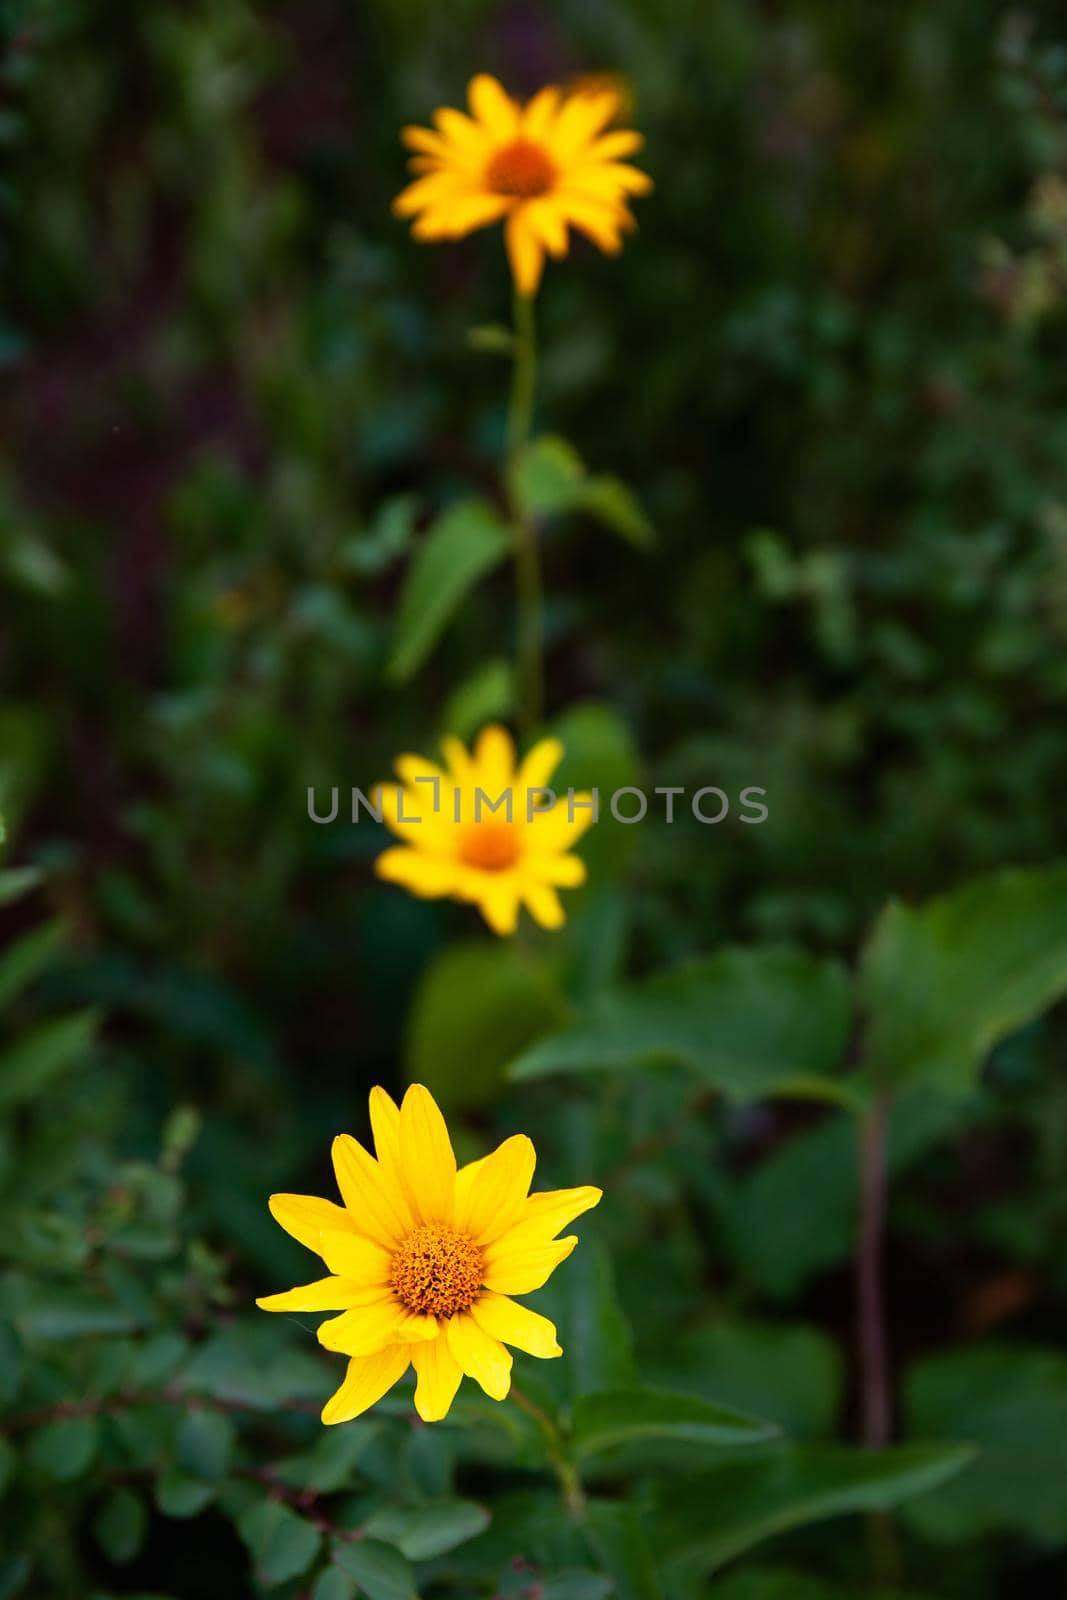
<point x="427" y="1159"/>
<point x="367" y="1379"/>
<point x="354" y="1256"/>
<point x="504" y="1319"/>
<point x="480" y="1356"/>
<point x="365" y="1329"/>
<point x="540" y="114"/>
<point x="492" y="107"/>
<point x="492" y="1198"/>
<point x="374" y="1200"/>
<point x="305" y="1216"/>
<point x="326" y="1294"/>
<point x="537" y="767"/>
<point x="544" y="1214"/>
<point x="543" y="904"/>
<point x="499" y="905"/>
<point x="525" y="253"/>
<point x="425" y="876"/>
<point x="385" y="1126"/>
<point x="439" y="1376"/>
<point x="520" y="1270"/>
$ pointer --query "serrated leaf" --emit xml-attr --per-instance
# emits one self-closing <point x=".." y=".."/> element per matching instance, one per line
<point x="749" y="1022"/>
<point x="422" y="1532"/>
<point x="713" y="1516"/>
<point x="380" y="1571"/>
<point x="626" y="1416"/>
<point x="945" y="982"/>
<point x="282" y="1544"/>
<point x="461" y="548"/>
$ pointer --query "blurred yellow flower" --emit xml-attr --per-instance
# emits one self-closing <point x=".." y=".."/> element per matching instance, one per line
<point x="423" y="1259"/>
<point x="485" y="829"/>
<point x="539" y="168"/>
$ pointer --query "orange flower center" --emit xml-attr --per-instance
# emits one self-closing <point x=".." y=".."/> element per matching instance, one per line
<point x="437" y="1270"/>
<point x="521" y="169"/>
<point x="490" y="846"/>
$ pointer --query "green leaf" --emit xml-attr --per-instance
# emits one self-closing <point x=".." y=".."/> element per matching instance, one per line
<point x="549" y="479"/>
<point x="282" y="1544"/>
<point x="463" y="545"/>
<point x="120" y="1525"/>
<point x="713" y="1516"/>
<point x="179" y="1496"/>
<point x="580" y="1299"/>
<point x="618" y="1536"/>
<point x="9" y="1462"/>
<point x="12" y="1362"/>
<point x="599" y="754"/>
<point x="748" y="1022"/>
<point x="945" y="982"/>
<point x="475" y="1007"/>
<point x="612" y="503"/>
<point x="546" y="477"/>
<point x="787" y="1372"/>
<point x="333" y="1584"/>
<point x="623" y="1416"/>
<point x="65" y="1450"/>
<point x="34" y="1063"/>
<point x="488" y="695"/>
<point x="381" y="1572"/>
<point x="23" y="960"/>
<point x="204" y="1443"/>
<point x="576" y="1584"/>
<point x="17" y="881"/>
<point x="332" y="1459"/>
<point x="1010" y="1401"/>
<point x="492" y="339"/>
<point x="422" y="1532"/>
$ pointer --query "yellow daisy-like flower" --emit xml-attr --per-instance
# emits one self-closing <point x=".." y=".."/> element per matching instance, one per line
<point x="424" y="1258"/>
<point x="485" y="829"/>
<point x="539" y="168"/>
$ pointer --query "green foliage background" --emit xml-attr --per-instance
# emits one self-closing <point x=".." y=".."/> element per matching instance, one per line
<point x="235" y="398"/>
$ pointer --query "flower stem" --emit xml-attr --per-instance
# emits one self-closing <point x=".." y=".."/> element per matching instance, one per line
<point x="528" y="587"/>
<point x="566" y="1472"/>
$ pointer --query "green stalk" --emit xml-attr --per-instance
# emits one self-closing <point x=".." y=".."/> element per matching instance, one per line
<point x="566" y="1472"/>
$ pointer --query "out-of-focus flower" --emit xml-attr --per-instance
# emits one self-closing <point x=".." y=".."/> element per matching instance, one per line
<point x="485" y="829"/>
<point x="539" y="168"/>
<point x="423" y="1259"/>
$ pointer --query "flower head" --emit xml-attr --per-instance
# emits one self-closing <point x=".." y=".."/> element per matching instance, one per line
<point x="538" y="168"/>
<point x="485" y="829"/>
<point x="423" y="1259"/>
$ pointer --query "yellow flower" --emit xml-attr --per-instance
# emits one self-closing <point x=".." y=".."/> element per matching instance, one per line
<point x="539" y="168"/>
<point x="423" y="1259"/>
<point x="457" y="845"/>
